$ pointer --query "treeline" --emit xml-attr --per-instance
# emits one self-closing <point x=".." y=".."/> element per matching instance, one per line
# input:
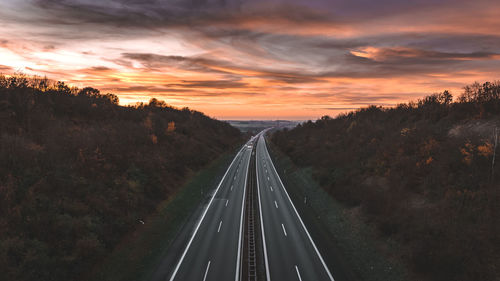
<point x="78" y="171"/>
<point x="425" y="173"/>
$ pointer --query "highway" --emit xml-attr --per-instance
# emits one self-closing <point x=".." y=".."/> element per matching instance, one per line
<point x="215" y="248"/>
<point x="289" y="251"/>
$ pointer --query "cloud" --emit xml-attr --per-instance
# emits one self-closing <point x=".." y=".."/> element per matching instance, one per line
<point x="4" y="43"/>
<point x="216" y="84"/>
<point x="96" y="70"/>
<point x="155" y="61"/>
<point x="5" y="69"/>
<point x="99" y="68"/>
<point x="147" y="89"/>
<point x="403" y="53"/>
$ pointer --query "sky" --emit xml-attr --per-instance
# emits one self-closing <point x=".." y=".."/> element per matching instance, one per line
<point x="240" y="59"/>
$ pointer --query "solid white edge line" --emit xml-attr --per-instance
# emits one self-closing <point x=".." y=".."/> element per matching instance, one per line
<point x="206" y="271"/>
<point x="202" y="217"/>
<point x="298" y="273"/>
<point x="238" y="273"/>
<point x="268" y="276"/>
<point x="300" y="219"/>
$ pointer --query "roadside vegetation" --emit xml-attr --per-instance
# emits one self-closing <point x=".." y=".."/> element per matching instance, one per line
<point x="78" y="172"/>
<point x="142" y="254"/>
<point x="422" y="173"/>
<point x="346" y="242"/>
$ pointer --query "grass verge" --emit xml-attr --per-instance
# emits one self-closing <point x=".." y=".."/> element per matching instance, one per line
<point x="347" y="243"/>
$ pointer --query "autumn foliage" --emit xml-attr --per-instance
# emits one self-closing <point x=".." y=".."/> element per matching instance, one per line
<point x="422" y="172"/>
<point x="78" y="172"/>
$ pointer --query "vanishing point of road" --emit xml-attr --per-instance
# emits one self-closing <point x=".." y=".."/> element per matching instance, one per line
<point x="214" y="251"/>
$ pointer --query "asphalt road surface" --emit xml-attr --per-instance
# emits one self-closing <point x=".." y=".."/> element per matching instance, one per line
<point x="289" y="251"/>
<point x="215" y="247"/>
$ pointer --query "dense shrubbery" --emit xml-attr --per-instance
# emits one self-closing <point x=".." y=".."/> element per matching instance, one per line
<point x="422" y="172"/>
<point x="78" y="171"/>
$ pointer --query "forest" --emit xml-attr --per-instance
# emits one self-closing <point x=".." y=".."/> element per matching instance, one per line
<point x="78" y="171"/>
<point x="425" y="174"/>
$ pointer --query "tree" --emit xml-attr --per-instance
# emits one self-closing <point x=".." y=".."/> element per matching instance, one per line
<point x="90" y="92"/>
<point x="445" y="98"/>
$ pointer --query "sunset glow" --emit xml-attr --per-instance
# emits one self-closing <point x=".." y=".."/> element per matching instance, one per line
<point x="256" y="60"/>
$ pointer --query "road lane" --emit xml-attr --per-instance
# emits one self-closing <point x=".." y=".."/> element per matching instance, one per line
<point x="214" y="250"/>
<point x="289" y="250"/>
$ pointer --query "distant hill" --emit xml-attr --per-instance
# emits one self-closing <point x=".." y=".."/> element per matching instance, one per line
<point x="78" y="171"/>
<point x="255" y="126"/>
<point x="426" y="173"/>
